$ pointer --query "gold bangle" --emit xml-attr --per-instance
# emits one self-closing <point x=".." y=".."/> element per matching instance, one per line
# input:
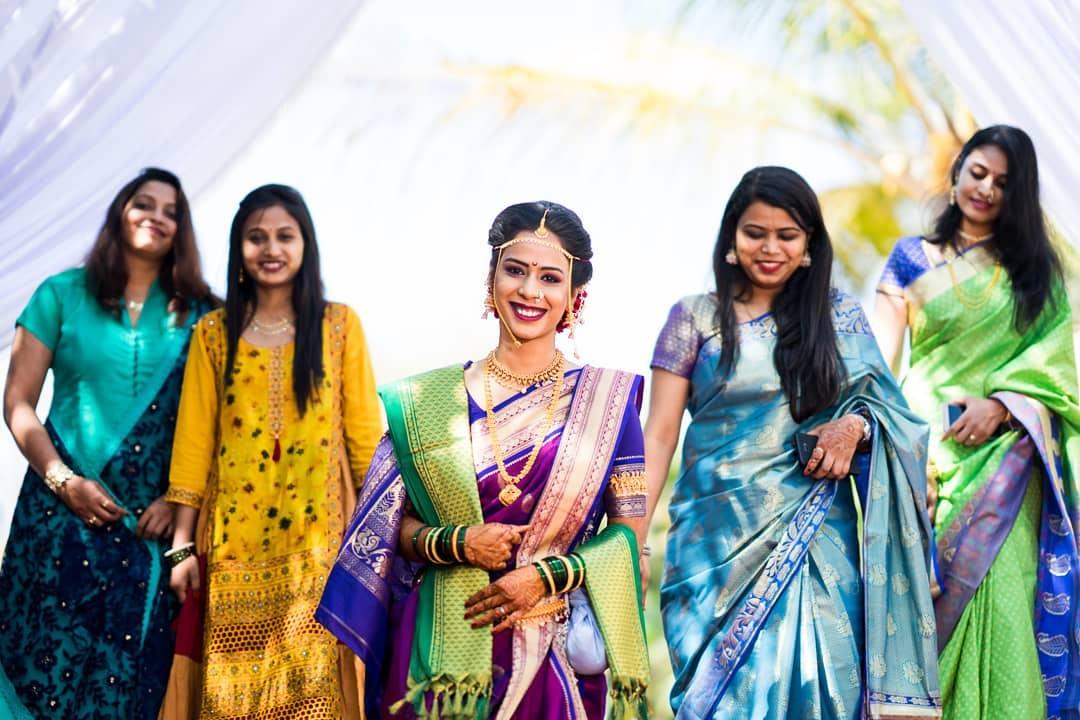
<point x="454" y="543"/>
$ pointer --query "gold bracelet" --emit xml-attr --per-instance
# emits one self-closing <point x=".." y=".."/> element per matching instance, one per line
<point x="57" y="476"/>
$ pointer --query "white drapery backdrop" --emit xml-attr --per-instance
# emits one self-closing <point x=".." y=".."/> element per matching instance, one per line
<point x="1017" y="63"/>
<point x="93" y="90"/>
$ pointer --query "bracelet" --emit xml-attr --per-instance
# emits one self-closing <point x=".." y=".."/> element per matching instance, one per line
<point x="646" y="550"/>
<point x="179" y="554"/>
<point x="460" y="545"/>
<point x="430" y="539"/>
<point x="561" y="573"/>
<point x="415" y="538"/>
<point x="545" y="576"/>
<point x="57" y="476"/>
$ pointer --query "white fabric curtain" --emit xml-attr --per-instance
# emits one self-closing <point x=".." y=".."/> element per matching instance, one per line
<point x="1017" y="63"/>
<point x="93" y="90"/>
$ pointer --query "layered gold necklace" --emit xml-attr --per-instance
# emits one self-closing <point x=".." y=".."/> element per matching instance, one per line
<point x="553" y="373"/>
<point x="510" y="379"/>
<point x="976" y="300"/>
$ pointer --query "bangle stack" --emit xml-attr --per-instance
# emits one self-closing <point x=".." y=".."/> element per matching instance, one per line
<point x="179" y="554"/>
<point x="57" y="476"/>
<point x="561" y="573"/>
<point x="443" y="545"/>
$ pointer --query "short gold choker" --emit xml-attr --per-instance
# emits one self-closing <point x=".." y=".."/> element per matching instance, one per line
<point x="510" y="379"/>
<point x="974" y="239"/>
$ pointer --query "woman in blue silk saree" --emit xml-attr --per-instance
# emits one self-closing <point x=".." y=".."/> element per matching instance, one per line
<point x="788" y="591"/>
<point x="85" y="607"/>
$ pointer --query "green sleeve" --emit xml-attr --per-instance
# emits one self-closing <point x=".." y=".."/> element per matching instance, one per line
<point x="43" y="314"/>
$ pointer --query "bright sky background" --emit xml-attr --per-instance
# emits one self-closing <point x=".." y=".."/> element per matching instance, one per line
<point x="427" y="118"/>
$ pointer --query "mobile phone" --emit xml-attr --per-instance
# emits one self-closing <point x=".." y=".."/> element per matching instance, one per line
<point x="804" y="447"/>
<point x="952" y="413"/>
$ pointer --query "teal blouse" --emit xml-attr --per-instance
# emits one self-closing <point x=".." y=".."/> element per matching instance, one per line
<point x="105" y="371"/>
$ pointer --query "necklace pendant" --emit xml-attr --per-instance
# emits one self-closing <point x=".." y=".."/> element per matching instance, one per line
<point x="509" y="494"/>
<point x="277" y="450"/>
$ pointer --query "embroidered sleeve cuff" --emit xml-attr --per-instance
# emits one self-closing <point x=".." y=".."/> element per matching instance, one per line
<point x="183" y="497"/>
<point x="629" y="494"/>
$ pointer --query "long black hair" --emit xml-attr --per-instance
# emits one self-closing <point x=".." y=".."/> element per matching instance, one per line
<point x="308" y="296"/>
<point x="1021" y="242"/>
<point x="806" y="356"/>
<point x="560" y="220"/>
<point x="180" y="274"/>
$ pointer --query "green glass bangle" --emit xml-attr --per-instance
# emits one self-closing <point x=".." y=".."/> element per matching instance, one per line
<point x="577" y="564"/>
<point x="449" y="543"/>
<point x="558" y="571"/>
<point x="416" y="541"/>
<point x="545" y="576"/>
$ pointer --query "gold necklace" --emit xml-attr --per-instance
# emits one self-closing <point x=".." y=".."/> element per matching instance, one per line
<point x="977" y="300"/>
<point x="510" y="491"/>
<point x="276" y="328"/>
<point x="974" y="239"/>
<point x="508" y="378"/>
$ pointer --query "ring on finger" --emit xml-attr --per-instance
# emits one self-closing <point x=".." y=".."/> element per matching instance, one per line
<point x="971" y="438"/>
<point x="500" y="611"/>
<point x="105" y="505"/>
<point x="91" y="520"/>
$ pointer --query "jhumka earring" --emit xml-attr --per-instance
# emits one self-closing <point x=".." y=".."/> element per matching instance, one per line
<point x="805" y="262"/>
<point x="241" y="277"/>
<point x="489" y="305"/>
<point x="730" y="258"/>
<point x="952" y="195"/>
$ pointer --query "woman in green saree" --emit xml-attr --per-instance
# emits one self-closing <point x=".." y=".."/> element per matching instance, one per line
<point x="84" y="602"/>
<point x="992" y="369"/>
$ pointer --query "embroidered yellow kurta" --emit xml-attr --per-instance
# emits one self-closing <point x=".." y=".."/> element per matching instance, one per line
<point x="273" y="528"/>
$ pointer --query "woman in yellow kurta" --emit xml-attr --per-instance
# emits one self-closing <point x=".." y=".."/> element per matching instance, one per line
<point x="278" y="417"/>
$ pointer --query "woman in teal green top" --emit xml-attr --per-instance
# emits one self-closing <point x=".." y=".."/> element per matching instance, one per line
<point x="84" y="601"/>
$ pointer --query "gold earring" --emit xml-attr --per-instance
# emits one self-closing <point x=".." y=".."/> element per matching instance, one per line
<point x="731" y="258"/>
<point x="240" y="278"/>
<point x="952" y="195"/>
<point x="805" y="262"/>
<point x="489" y="305"/>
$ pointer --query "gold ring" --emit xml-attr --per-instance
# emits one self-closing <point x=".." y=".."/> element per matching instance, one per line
<point x="971" y="438"/>
<point x="91" y="520"/>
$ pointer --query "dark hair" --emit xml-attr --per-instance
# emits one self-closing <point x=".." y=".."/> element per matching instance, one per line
<point x="308" y="298"/>
<point x="180" y="274"/>
<point x="560" y="220"/>
<point x="1021" y="242"/>
<point x="806" y="356"/>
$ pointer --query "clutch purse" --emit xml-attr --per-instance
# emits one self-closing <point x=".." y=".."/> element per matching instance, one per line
<point x="584" y="643"/>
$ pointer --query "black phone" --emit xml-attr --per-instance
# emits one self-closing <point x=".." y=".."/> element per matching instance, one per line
<point x="804" y="447"/>
<point x="953" y="411"/>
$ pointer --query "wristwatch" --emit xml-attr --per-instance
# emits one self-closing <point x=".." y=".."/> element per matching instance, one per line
<point x="866" y="430"/>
